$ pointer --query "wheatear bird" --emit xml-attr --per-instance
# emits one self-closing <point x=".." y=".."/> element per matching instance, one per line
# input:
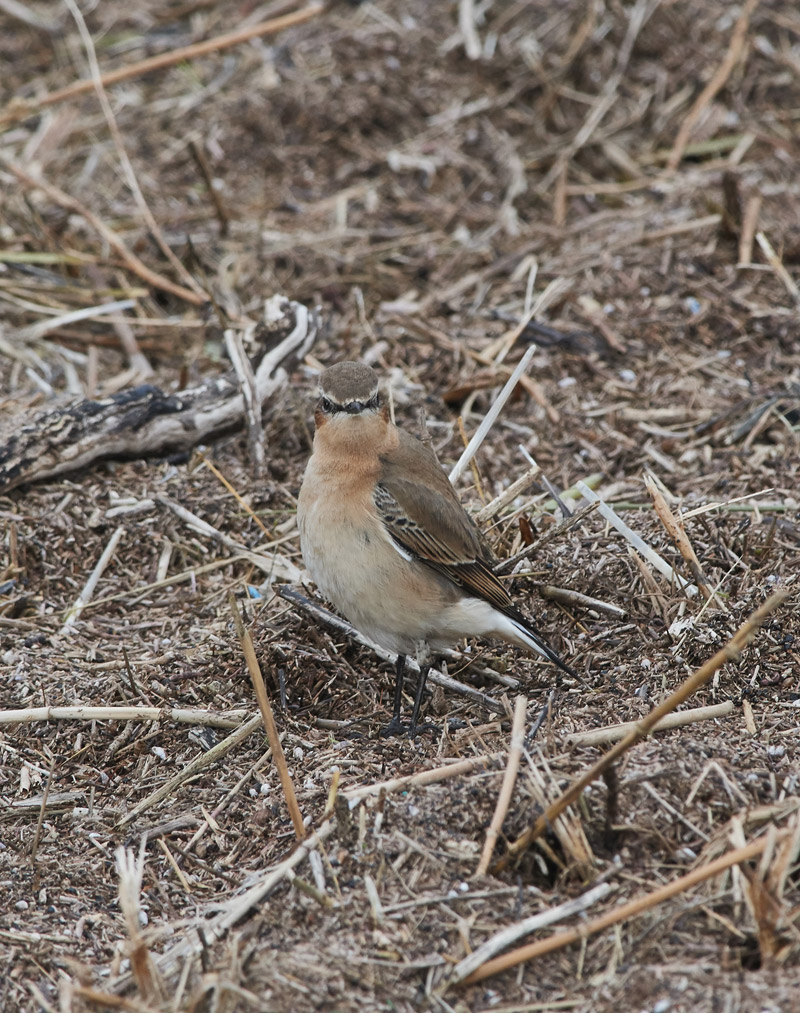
<point x="386" y="539"/>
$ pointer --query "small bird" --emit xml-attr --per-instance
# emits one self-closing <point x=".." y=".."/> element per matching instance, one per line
<point x="385" y="538"/>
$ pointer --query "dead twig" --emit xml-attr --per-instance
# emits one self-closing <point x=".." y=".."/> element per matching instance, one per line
<point x="19" y="110"/>
<point x="677" y="532"/>
<point x="491" y="416"/>
<point x="718" y="79"/>
<point x="774" y="262"/>
<point x="31" y="715"/>
<point x="133" y="263"/>
<point x="269" y="720"/>
<point x="620" y="914"/>
<point x="731" y="651"/>
<point x="505" y="937"/>
<point x="749" y="225"/>
<point x="636" y="540"/>
<point x="611" y="733"/>
<point x="200" y="762"/>
<point x="566" y="596"/>
<point x="507" y="787"/>
<point x="499" y="502"/>
<point x="88" y="589"/>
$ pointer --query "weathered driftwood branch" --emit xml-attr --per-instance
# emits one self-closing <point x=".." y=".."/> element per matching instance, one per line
<point x="146" y="420"/>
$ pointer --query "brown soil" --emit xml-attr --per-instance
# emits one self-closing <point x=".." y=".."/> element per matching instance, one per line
<point x="421" y="199"/>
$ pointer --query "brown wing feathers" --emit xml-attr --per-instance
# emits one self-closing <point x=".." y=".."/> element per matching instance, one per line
<point x="424" y="516"/>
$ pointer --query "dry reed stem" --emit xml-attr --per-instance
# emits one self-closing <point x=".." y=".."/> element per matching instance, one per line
<point x="729" y="652"/>
<point x="30" y="715"/>
<point x="466" y="22"/>
<point x="678" y="719"/>
<point x="198" y="763"/>
<point x="131" y="871"/>
<point x="748" y="231"/>
<point x="718" y="79"/>
<point x="508" y="935"/>
<point x="476" y="476"/>
<point x="138" y="267"/>
<point x="677" y="532"/>
<point x="234" y="492"/>
<point x="566" y="596"/>
<point x="499" y="502"/>
<point x="175" y="867"/>
<point x="42" y="327"/>
<point x="775" y="263"/>
<point x="630" y="910"/>
<point x="88" y="588"/>
<point x="636" y="540"/>
<point x="265" y="707"/>
<point x="491" y="416"/>
<point x="21" y="110"/>
<point x="507" y="787"/>
<point x="424" y="777"/>
<point x="119" y="144"/>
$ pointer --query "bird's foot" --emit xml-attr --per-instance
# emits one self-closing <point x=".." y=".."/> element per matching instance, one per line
<point x="395" y="727"/>
<point x="398" y="727"/>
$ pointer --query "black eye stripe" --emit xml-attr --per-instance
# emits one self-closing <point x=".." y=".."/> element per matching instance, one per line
<point x="350" y="407"/>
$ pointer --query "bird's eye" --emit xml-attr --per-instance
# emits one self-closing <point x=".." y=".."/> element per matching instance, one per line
<point x="326" y="404"/>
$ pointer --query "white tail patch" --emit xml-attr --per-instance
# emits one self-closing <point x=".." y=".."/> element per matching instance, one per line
<point x="525" y="638"/>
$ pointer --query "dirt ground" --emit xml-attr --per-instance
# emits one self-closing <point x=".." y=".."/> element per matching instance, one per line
<point x="426" y="177"/>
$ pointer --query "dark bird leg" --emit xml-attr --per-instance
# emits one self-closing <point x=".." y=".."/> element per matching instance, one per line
<point x="423" y="678"/>
<point x="395" y="726"/>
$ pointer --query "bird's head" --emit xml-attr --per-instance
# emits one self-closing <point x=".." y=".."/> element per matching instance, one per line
<point x="347" y="391"/>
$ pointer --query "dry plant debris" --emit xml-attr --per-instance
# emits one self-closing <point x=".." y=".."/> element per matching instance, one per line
<point x="612" y="186"/>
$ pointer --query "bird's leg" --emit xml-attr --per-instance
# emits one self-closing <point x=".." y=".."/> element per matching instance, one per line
<point x="423" y="678"/>
<point x="395" y="726"/>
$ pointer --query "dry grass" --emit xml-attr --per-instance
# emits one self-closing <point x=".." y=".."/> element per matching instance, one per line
<point x="624" y="175"/>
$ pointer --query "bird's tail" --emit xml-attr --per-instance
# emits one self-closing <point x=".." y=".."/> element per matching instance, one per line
<point x="528" y="636"/>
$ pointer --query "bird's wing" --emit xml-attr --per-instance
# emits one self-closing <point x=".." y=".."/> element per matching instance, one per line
<point x="423" y="515"/>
